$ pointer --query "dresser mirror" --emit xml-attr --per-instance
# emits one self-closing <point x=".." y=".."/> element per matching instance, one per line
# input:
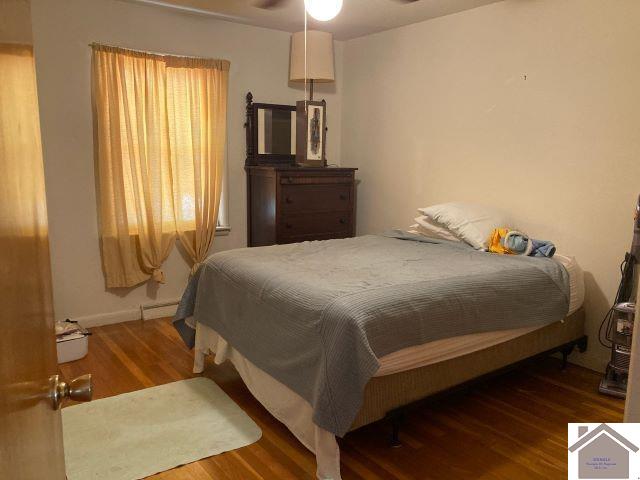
<point x="276" y="131"/>
<point x="271" y="133"/>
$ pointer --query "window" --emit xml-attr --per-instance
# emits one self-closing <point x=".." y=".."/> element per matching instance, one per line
<point x="223" y="227"/>
<point x="161" y="139"/>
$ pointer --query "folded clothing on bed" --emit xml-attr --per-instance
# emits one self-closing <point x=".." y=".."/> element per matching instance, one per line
<point x="317" y="315"/>
<point x="512" y="242"/>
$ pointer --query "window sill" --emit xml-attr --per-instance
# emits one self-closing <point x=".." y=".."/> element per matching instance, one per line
<point x="222" y="231"/>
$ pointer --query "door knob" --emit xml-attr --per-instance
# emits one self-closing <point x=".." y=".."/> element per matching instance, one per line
<point x="79" y="389"/>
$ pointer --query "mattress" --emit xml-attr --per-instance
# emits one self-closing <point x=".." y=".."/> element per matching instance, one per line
<point x="445" y="349"/>
<point x="441" y="350"/>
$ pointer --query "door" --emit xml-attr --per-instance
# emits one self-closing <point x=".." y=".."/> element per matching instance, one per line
<point x="632" y="406"/>
<point x="30" y="429"/>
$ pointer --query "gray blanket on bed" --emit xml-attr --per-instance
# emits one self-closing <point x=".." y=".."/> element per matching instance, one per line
<point x="317" y="315"/>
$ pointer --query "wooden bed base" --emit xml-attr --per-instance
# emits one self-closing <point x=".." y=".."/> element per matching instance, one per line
<point x="397" y="416"/>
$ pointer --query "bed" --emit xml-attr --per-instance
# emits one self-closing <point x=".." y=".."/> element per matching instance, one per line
<point x="330" y="336"/>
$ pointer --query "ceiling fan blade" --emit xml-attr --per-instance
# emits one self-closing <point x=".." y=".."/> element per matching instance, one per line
<point x="269" y="4"/>
<point x="406" y="1"/>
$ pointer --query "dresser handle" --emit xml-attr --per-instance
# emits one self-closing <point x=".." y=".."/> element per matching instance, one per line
<point x="343" y="196"/>
<point x="288" y="200"/>
<point x="288" y="225"/>
<point x="343" y="221"/>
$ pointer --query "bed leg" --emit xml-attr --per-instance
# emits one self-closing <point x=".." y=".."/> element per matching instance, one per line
<point x="397" y="418"/>
<point x="582" y="343"/>
<point x="566" y="351"/>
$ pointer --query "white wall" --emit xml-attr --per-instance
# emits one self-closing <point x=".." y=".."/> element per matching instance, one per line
<point x="62" y="31"/>
<point x="530" y="105"/>
<point x="533" y="106"/>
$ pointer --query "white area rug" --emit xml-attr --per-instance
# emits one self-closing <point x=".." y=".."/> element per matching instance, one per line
<point x="137" y="434"/>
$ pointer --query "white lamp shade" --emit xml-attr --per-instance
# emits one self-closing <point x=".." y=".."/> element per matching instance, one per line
<point x="319" y="57"/>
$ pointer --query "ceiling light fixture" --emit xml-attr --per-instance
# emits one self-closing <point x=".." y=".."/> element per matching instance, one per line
<point x="323" y="10"/>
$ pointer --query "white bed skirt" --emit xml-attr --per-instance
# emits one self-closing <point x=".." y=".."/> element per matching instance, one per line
<point x="281" y="402"/>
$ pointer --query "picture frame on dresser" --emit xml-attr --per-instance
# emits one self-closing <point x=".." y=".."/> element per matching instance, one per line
<point x="311" y="133"/>
<point x="287" y="202"/>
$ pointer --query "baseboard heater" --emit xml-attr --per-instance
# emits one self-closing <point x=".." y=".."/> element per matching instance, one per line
<point x="152" y="306"/>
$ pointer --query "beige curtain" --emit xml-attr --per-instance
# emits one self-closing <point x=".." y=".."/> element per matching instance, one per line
<point x="197" y="107"/>
<point x="160" y="135"/>
<point x="136" y="204"/>
<point x="20" y="144"/>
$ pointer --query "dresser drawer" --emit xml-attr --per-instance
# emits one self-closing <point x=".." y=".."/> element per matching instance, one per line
<point x="316" y="179"/>
<point x="315" y="198"/>
<point x="310" y="237"/>
<point x="327" y="225"/>
<point x="288" y="204"/>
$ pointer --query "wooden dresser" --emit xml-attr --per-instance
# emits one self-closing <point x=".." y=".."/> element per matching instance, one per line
<point x="287" y="204"/>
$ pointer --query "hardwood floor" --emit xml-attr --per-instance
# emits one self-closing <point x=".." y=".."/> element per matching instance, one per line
<point x="512" y="427"/>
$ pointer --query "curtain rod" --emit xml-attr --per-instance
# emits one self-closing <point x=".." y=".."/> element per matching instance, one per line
<point x="97" y="44"/>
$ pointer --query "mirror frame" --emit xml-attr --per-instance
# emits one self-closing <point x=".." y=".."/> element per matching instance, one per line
<point x="251" y="126"/>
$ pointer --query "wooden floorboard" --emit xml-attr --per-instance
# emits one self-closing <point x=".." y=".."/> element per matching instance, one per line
<point x="511" y="427"/>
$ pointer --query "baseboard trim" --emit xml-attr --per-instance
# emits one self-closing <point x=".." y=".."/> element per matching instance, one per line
<point x="109" y="318"/>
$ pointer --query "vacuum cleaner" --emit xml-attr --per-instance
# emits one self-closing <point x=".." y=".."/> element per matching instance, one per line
<point x="616" y="329"/>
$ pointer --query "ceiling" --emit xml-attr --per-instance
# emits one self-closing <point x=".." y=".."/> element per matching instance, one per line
<point x="357" y="18"/>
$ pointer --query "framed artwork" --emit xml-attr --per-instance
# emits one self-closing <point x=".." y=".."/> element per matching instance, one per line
<point x="311" y="133"/>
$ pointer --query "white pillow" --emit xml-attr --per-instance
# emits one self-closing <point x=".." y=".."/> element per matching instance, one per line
<point x="427" y="227"/>
<point x="469" y="222"/>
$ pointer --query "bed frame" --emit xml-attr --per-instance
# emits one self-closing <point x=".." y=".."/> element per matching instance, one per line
<point x="389" y="396"/>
